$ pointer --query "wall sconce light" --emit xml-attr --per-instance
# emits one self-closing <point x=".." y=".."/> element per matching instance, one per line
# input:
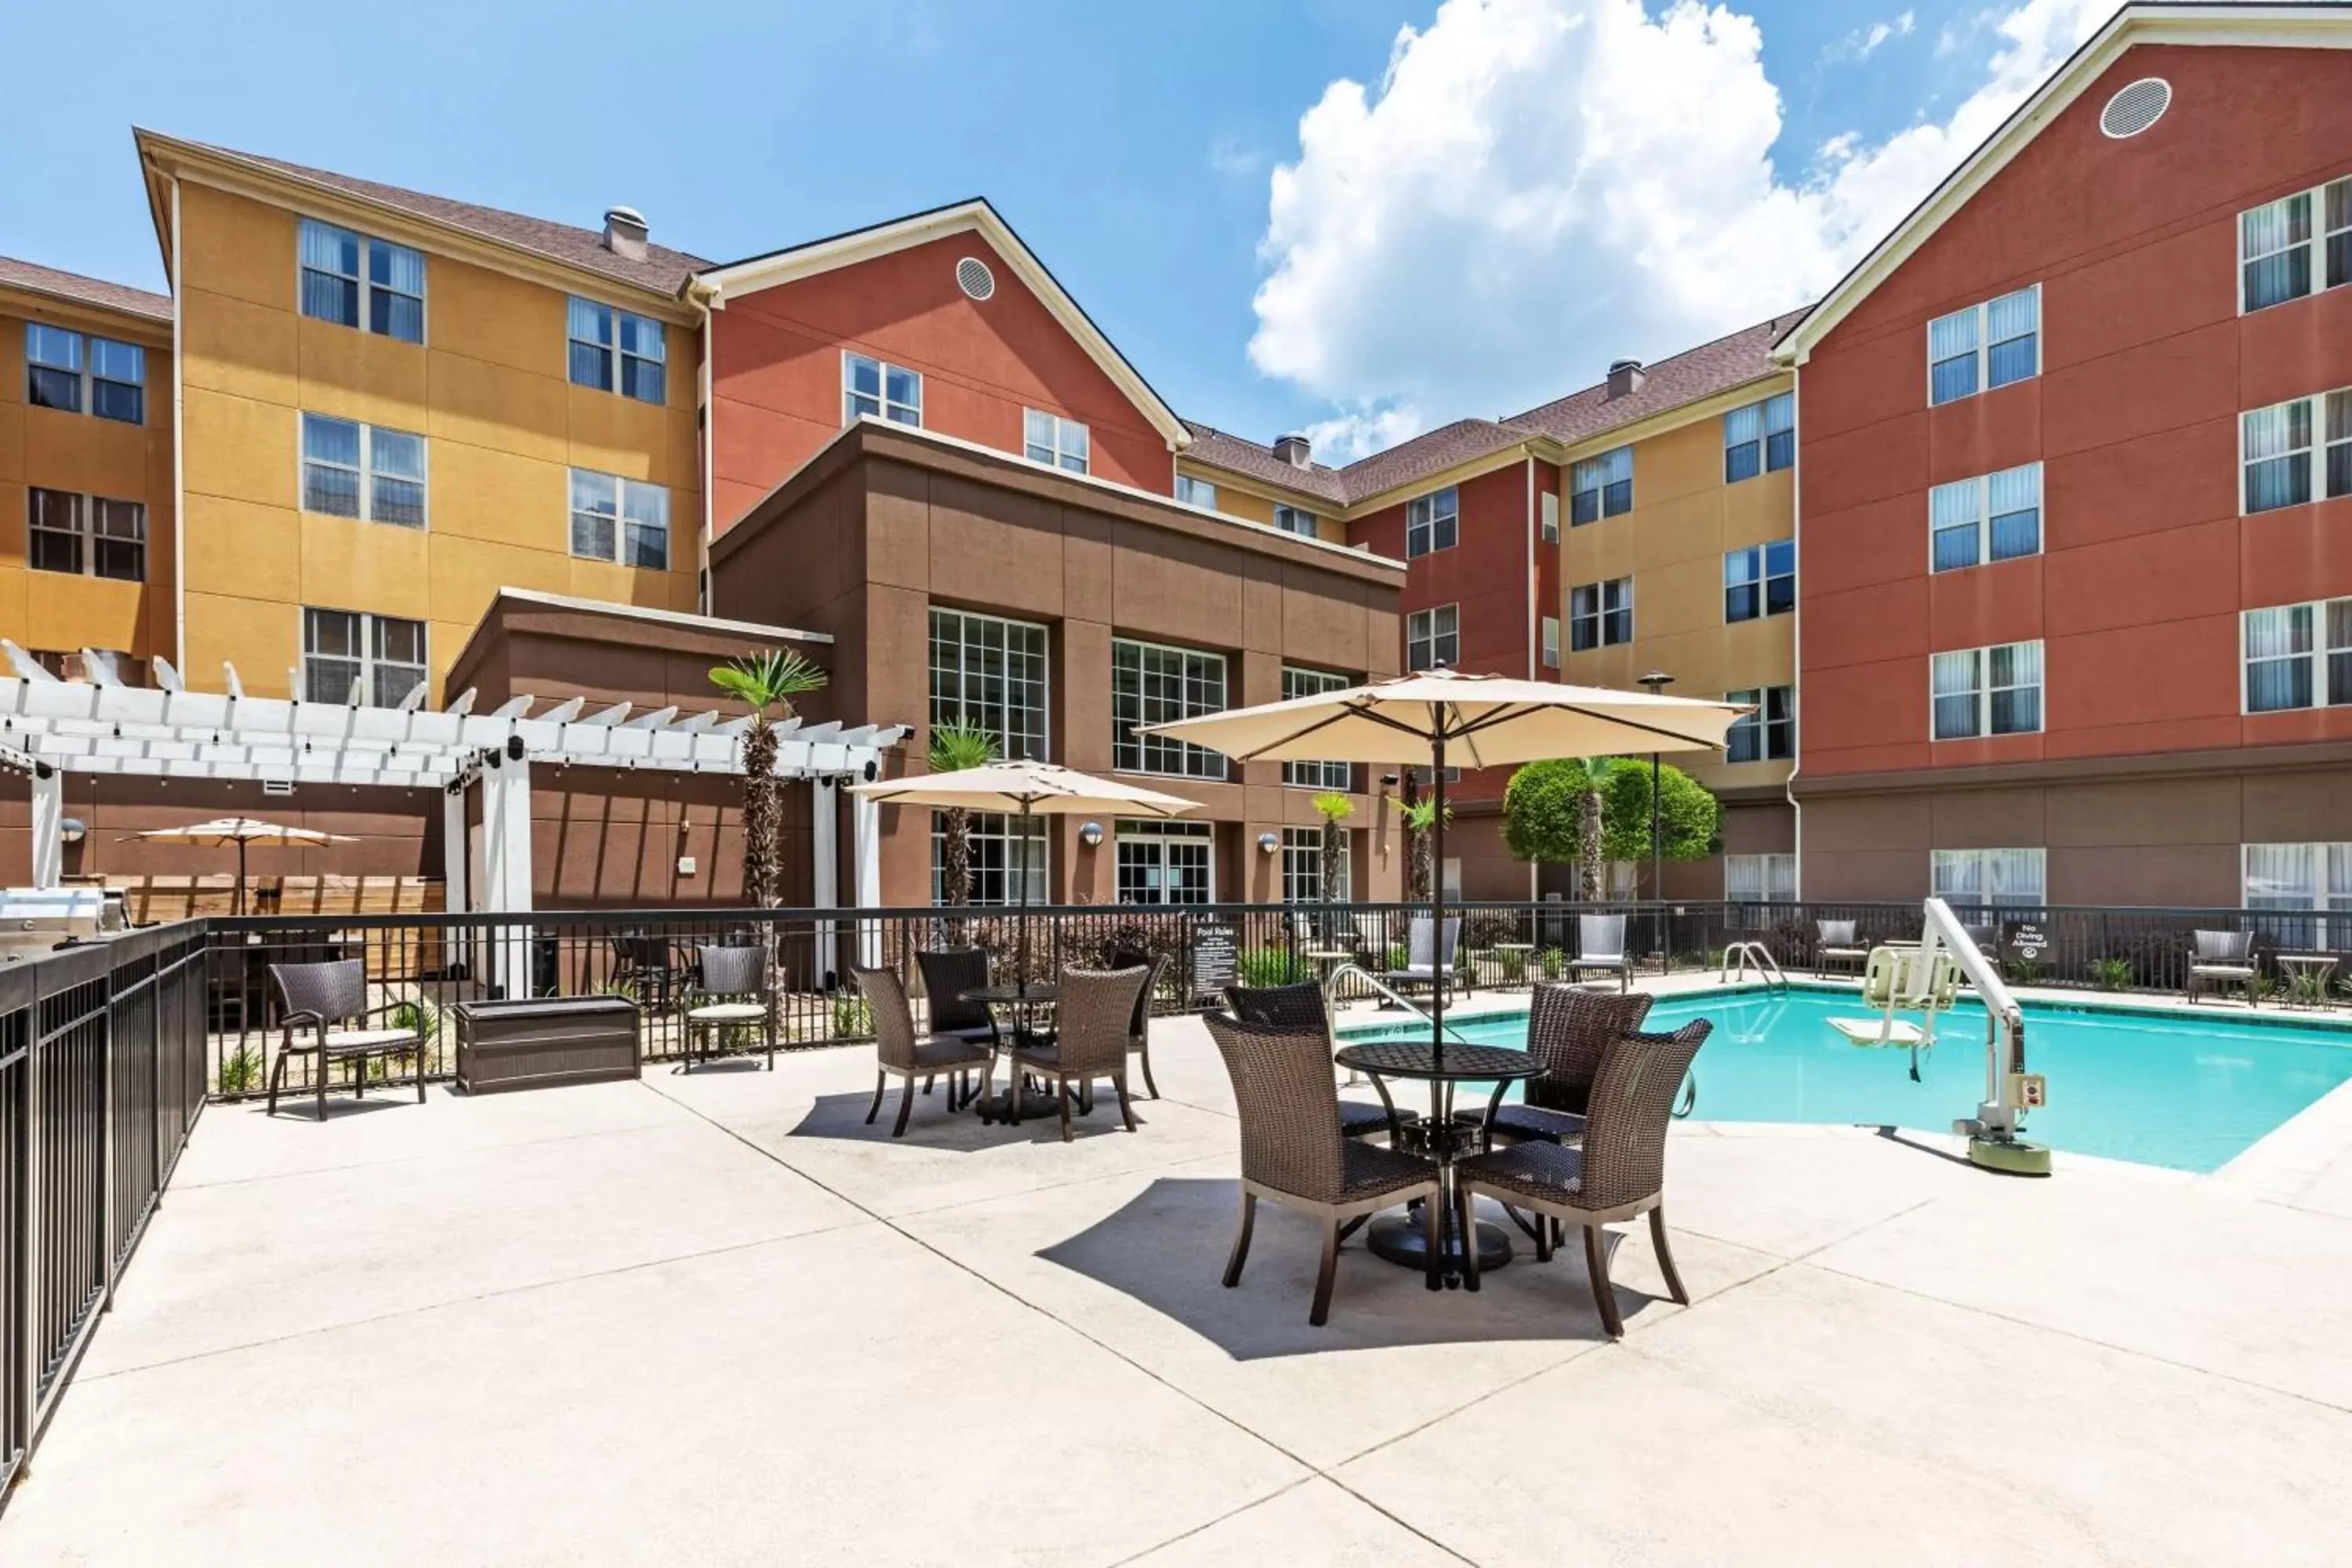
<point x="1388" y="781"/>
<point x="72" y="829"/>
<point x="1268" y="843"/>
<point x="1090" y="833"/>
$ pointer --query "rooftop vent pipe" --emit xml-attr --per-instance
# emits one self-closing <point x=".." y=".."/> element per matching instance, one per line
<point x="624" y="233"/>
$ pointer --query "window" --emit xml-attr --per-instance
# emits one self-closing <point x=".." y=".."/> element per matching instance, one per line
<point x="1768" y="735"/>
<point x="2283" y="255"/>
<point x="1759" y="437"/>
<point x="1760" y="581"/>
<point x="601" y="336"/>
<point x="1166" y="862"/>
<point x="884" y="391"/>
<point x="1057" y="442"/>
<point x="355" y="281"/>
<point x="86" y="535"/>
<point x="1600" y="487"/>
<point x="1987" y="691"/>
<point x="1985" y="346"/>
<point x="1551" y="517"/>
<point x="1992" y="517"/>
<point x="2301" y="877"/>
<point x="1432" y="521"/>
<point x="70" y="372"/>
<point x="1190" y="491"/>
<point x="614" y="519"/>
<point x="1151" y="684"/>
<point x="2298" y="656"/>
<point x="1302" y="866"/>
<point x="1432" y="637"/>
<point x="1601" y="614"/>
<point x="379" y="657"/>
<point x="1551" y="642"/>
<point x="1298" y="682"/>
<point x="1987" y="877"/>
<point x="2296" y="452"/>
<point x="351" y="470"/>
<point x="1002" y="848"/>
<point x="1290" y="519"/>
<point x="1759" y="878"/>
<point x="990" y="672"/>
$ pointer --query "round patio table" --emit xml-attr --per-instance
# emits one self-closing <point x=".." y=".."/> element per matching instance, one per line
<point x="1026" y="1003"/>
<point x="1402" y="1241"/>
<point x="2298" y="965"/>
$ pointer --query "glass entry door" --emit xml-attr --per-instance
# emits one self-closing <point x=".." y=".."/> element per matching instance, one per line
<point x="1166" y="863"/>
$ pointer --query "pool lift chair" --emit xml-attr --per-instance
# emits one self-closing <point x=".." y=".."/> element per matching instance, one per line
<point x="1903" y="980"/>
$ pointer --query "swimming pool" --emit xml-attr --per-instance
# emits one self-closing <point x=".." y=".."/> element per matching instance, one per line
<point x="2189" y="1092"/>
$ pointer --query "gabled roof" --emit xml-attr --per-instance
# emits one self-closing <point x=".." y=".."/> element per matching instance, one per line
<point x="35" y="279"/>
<point x="2301" y="23"/>
<point x="1251" y="459"/>
<point x="1431" y="452"/>
<point x="1728" y="361"/>
<point x="717" y="282"/>
<point x="662" y="270"/>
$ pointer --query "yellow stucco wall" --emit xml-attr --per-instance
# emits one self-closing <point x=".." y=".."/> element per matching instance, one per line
<point x="51" y="449"/>
<point x="487" y="389"/>
<point x="1234" y="501"/>
<point x="1672" y="543"/>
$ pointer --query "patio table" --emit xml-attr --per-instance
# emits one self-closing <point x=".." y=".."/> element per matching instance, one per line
<point x="1402" y="1241"/>
<point x="2298" y="965"/>
<point x="1026" y="1002"/>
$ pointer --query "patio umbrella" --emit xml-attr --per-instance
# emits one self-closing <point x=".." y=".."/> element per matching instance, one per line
<point x="240" y="831"/>
<point x="1025" y="790"/>
<point x="1484" y="721"/>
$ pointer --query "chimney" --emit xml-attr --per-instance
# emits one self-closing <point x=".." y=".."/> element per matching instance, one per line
<point x="1624" y="376"/>
<point x="624" y="233"/>
<point x="1293" y="451"/>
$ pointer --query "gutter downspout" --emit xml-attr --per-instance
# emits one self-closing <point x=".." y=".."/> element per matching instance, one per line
<point x="179" y="446"/>
<point x="1796" y="628"/>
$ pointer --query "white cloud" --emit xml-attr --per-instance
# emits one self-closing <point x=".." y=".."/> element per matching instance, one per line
<point x="1361" y="429"/>
<point x="1229" y="156"/>
<point x="1863" y="42"/>
<point x="1536" y="186"/>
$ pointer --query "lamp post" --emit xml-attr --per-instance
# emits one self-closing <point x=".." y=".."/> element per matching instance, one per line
<point x="1655" y="683"/>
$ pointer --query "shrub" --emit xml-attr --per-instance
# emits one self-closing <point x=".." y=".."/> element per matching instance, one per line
<point x="852" y="1016"/>
<point x="242" y="1073"/>
<point x="1486" y="928"/>
<point x="1514" y="965"/>
<point x="1260" y="966"/>
<point x="2111" y="973"/>
<point x="1554" y="961"/>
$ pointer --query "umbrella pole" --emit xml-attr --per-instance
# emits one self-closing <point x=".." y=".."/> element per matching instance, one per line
<point x="238" y="902"/>
<point x="1440" y="959"/>
<point x="1020" y="870"/>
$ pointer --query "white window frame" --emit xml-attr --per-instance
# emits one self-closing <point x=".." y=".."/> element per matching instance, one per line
<point x="1975" y="495"/>
<point x="1003" y="829"/>
<point x="1190" y="491"/>
<point x="1437" y="632"/>
<point x="367" y="287"/>
<point x="1773" y="875"/>
<point x="627" y="529"/>
<point x="1988" y="870"/>
<point x="1135" y="754"/>
<point x="1984" y="690"/>
<point x="1596" y="476"/>
<point x="83" y="529"/>
<point x="1982" y="312"/>
<point x="1055" y="441"/>
<point x="84" y="369"/>
<point x="1297" y="519"/>
<point x="1007" y="641"/>
<point x="370" y="662"/>
<point x="366" y="472"/>
<point x="2319" y="645"/>
<point x="1301" y="681"/>
<point x="2314" y="245"/>
<point x="1761" y="579"/>
<point x="1762" y="724"/>
<point x="1602" y="610"/>
<point x="1550" y="517"/>
<point x="1432" y="522"/>
<point x="2330" y="892"/>
<point x="885" y="407"/>
<point x="1162" y="838"/>
<point x="616" y="354"/>
<point x="1764" y="410"/>
<point x="2321" y="409"/>
<point x="1551" y="642"/>
<point x="1302" y="865"/>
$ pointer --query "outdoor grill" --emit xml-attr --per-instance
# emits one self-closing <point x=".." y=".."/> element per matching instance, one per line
<point x="37" y="920"/>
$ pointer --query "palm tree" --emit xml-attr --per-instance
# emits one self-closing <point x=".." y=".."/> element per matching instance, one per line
<point x="954" y="747"/>
<point x="1334" y="808"/>
<point x="766" y="683"/>
<point x="1419" y="822"/>
<point x="1591" y="775"/>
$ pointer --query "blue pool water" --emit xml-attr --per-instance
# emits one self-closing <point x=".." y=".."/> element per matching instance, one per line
<point x="2191" y="1092"/>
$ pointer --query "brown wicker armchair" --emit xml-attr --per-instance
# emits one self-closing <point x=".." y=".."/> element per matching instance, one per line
<point x="947" y="974"/>
<point x="1299" y="1005"/>
<point x="1569" y="1029"/>
<point x="1616" y="1172"/>
<point x="898" y="1050"/>
<point x="730" y="992"/>
<point x="1090" y="1040"/>
<point x="320" y="994"/>
<point x="1293" y="1152"/>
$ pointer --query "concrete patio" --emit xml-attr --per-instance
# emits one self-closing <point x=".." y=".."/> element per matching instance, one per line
<point x="718" y="1319"/>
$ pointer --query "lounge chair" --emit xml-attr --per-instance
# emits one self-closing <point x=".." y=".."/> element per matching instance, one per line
<point x="731" y="993"/>
<point x="323" y="995"/>
<point x="1423" y="967"/>
<point x="898" y="1051"/>
<point x="1096" y="1017"/>
<point x="1292" y="1152"/>
<point x="1301" y="1006"/>
<point x="1836" y="944"/>
<point x="1570" y="1029"/>
<point x="1617" y="1172"/>
<point x="2221" y="959"/>
<point x="1601" y="945"/>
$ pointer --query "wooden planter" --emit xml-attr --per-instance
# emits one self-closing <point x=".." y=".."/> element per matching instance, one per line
<point x="542" y="1042"/>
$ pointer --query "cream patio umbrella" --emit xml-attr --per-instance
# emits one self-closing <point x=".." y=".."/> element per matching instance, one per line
<point x="241" y="831"/>
<point x="1476" y="720"/>
<point x="1025" y="790"/>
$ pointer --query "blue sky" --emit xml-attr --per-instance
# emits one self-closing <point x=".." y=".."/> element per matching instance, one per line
<point x="1130" y="143"/>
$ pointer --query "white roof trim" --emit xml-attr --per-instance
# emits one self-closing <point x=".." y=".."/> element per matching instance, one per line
<point x="666" y="617"/>
<point x="2304" y="26"/>
<point x="715" y="286"/>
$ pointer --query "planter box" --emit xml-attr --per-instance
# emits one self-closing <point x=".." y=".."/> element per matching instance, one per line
<point x="539" y="1043"/>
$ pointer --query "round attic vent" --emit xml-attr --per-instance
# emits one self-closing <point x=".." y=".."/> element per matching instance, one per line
<point x="975" y="279"/>
<point x="2137" y="106"/>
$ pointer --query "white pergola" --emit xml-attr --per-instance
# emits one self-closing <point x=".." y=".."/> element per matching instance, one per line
<point x="50" y="727"/>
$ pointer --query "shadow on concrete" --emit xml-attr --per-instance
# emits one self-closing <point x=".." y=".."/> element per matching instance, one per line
<point x="932" y="1125"/>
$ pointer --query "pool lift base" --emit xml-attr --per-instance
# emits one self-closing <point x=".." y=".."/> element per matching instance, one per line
<point x="2009" y="1156"/>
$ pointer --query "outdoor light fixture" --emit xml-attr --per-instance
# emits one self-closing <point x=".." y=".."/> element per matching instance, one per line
<point x="71" y="829"/>
<point x="1269" y="842"/>
<point x="1090" y="833"/>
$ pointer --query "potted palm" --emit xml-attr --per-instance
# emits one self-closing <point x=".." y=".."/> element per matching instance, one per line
<point x="766" y="683"/>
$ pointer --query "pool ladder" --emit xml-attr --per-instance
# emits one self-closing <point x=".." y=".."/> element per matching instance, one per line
<point x="1740" y="954"/>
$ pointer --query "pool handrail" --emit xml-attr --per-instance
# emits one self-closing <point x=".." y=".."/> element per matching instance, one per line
<point x="1331" y="989"/>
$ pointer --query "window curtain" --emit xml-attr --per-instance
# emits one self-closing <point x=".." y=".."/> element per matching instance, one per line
<point x="2277" y="441"/>
<point x="1953" y="678"/>
<point x="2013" y="316"/>
<point x="2013" y="497"/>
<point x="2278" y="667"/>
<point x="2014" y="672"/>
<point x="1952" y="514"/>
<point x="1952" y="336"/>
<point x="2013" y="876"/>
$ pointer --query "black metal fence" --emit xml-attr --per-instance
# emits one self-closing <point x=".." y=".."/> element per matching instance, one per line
<point x="102" y="1074"/>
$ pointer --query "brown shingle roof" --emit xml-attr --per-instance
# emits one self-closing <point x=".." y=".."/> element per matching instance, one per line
<point x="663" y="270"/>
<point x="1249" y="458"/>
<point x="38" y="279"/>
<point x="1702" y="372"/>
<point x="1426" y="453"/>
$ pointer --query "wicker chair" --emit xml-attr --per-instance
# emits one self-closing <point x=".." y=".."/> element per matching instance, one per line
<point x="1292" y="1151"/>
<point x="2219" y="959"/>
<point x="1090" y="1040"/>
<point x="1601" y="945"/>
<point x="1300" y="1006"/>
<point x="1616" y="1173"/>
<point x="645" y="965"/>
<point x="1570" y="1030"/>
<point x="1835" y="943"/>
<point x="727" y="976"/>
<point x="319" y="995"/>
<point x="1139" y="1034"/>
<point x="947" y="974"/>
<point x="897" y="1049"/>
